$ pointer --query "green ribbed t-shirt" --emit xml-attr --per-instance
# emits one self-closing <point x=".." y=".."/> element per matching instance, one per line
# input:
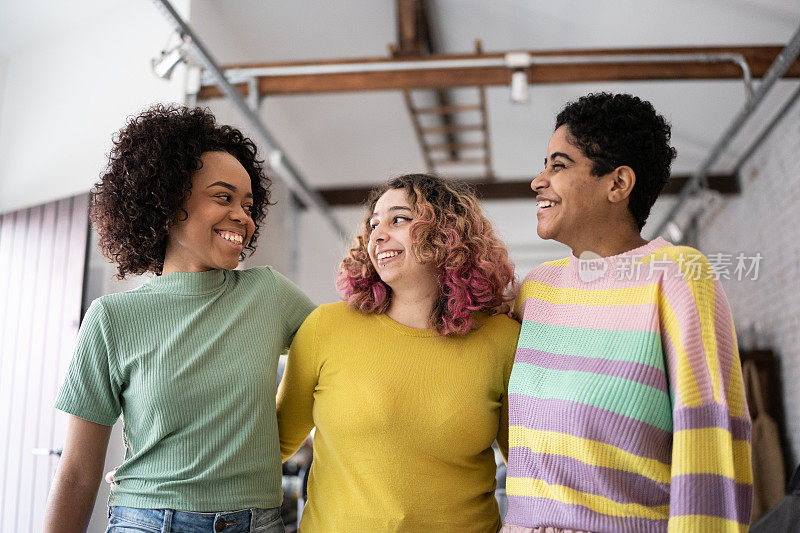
<point x="190" y="360"/>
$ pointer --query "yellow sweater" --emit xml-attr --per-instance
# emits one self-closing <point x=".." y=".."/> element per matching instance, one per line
<point x="405" y="420"/>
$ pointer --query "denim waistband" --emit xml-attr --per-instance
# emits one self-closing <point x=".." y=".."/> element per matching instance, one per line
<point x="168" y="520"/>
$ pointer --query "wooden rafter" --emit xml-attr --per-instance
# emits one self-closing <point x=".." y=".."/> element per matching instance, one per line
<point x="758" y="57"/>
<point x="415" y="40"/>
<point x="411" y="29"/>
<point x="518" y="189"/>
<point x="487" y="149"/>
<point x="418" y="131"/>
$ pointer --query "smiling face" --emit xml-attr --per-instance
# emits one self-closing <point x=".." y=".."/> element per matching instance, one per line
<point x="574" y="205"/>
<point x="390" y="243"/>
<point x="218" y="225"/>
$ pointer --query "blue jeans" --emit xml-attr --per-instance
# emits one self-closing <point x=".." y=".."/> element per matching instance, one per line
<point x="134" y="520"/>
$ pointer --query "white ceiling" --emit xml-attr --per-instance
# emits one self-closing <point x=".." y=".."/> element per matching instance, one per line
<point x="338" y="139"/>
<point x="316" y="29"/>
<point x="361" y="138"/>
<point x="23" y="23"/>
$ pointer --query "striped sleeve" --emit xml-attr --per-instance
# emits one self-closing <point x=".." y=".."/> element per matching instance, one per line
<point x="529" y="286"/>
<point x="711" y="476"/>
<point x="522" y="296"/>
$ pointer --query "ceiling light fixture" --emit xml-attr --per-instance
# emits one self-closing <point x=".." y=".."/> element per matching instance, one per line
<point x="674" y="232"/>
<point x="169" y="58"/>
<point x="519" y="63"/>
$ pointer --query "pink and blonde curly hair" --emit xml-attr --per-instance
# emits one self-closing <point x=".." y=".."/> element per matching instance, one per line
<point x="450" y="231"/>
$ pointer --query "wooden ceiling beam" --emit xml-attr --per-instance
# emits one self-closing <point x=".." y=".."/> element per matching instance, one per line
<point x="414" y="41"/>
<point x="446" y="110"/>
<point x="410" y="29"/>
<point x="759" y="59"/>
<point x="517" y="189"/>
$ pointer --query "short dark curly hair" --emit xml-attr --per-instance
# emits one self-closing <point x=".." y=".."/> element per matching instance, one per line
<point x="621" y="129"/>
<point x="149" y="175"/>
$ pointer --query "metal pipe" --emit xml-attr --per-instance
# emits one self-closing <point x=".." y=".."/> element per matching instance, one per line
<point x="293" y="234"/>
<point x="767" y="130"/>
<point x="747" y="76"/>
<point x="253" y="98"/>
<point x="290" y="175"/>
<point x="775" y="72"/>
<point x="239" y="75"/>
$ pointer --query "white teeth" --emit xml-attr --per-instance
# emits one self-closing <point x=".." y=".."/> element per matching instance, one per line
<point x="232" y="237"/>
<point x="545" y="203"/>
<point x="384" y="255"/>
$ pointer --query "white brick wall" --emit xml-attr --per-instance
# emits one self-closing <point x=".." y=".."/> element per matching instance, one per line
<point x="765" y="218"/>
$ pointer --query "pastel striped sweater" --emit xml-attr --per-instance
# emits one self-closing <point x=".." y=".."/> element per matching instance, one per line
<point x="626" y="403"/>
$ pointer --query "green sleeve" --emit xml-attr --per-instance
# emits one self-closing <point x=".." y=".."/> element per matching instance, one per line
<point x="295" y="306"/>
<point x="91" y="389"/>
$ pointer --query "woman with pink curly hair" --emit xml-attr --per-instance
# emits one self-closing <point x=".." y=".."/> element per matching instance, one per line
<point x="405" y="381"/>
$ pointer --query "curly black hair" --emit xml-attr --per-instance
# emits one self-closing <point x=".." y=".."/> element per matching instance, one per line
<point x="621" y="129"/>
<point x="149" y="175"/>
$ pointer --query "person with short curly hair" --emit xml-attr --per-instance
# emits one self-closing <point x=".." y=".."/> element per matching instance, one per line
<point x="616" y="130"/>
<point x="405" y="380"/>
<point x="189" y="358"/>
<point x="626" y="403"/>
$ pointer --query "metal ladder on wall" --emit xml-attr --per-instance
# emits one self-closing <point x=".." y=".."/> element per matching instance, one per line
<point x="448" y="151"/>
<point x="442" y="149"/>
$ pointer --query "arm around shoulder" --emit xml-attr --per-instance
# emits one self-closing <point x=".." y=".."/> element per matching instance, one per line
<point x="80" y="469"/>
<point x="507" y="335"/>
<point x="295" y="400"/>
<point x="293" y="303"/>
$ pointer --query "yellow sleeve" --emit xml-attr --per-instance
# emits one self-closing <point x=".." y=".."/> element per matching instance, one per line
<point x="502" y="431"/>
<point x="510" y="349"/>
<point x="296" y="391"/>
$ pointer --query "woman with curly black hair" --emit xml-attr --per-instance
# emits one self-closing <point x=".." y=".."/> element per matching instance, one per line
<point x="190" y="358"/>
